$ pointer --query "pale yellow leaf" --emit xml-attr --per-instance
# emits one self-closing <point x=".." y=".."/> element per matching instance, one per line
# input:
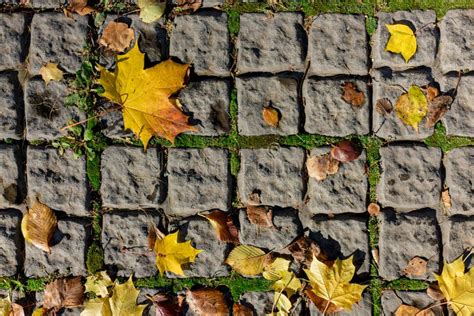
<point x="97" y="307"/>
<point x="283" y="279"/>
<point x="248" y="260"/>
<point x="99" y="284"/>
<point x="51" y="72"/>
<point x="124" y="300"/>
<point x="412" y="107"/>
<point x="38" y="226"/>
<point x="151" y="10"/>
<point x="402" y="40"/>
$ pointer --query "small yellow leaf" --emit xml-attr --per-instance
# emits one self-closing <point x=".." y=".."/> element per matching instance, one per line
<point x="171" y="254"/>
<point x="412" y="107"/>
<point x="51" y="72"/>
<point x="99" y="284"/>
<point x="248" y="260"/>
<point x="151" y="10"/>
<point x="282" y="304"/>
<point x="39" y="312"/>
<point x="124" y="300"/>
<point x="97" y="307"/>
<point x="284" y="280"/>
<point x="38" y="226"/>
<point x="402" y="40"/>
<point x="271" y="116"/>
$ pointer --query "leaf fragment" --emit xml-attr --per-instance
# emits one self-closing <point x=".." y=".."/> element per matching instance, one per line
<point x="166" y="305"/>
<point x="282" y="304"/>
<point x="38" y="226"/>
<point x="304" y="249"/>
<point x="241" y="310"/>
<point x="446" y="200"/>
<point x="384" y="106"/>
<point x="434" y="292"/>
<point x="224" y="226"/>
<point x="402" y="40"/>
<point x="319" y="167"/>
<point x="51" y="72"/>
<point x="63" y="293"/>
<point x="412" y="107"/>
<point x="271" y="116"/>
<point x="345" y="151"/>
<point x="437" y="108"/>
<point x="283" y="279"/>
<point x="97" y="306"/>
<point x="260" y="215"/>
<point x="373" y="209"/>
<point x="151" y="10"/>
<point x="352" y="95"/>
<point x="7" y="308"/>
<point x="416" y="267"/>
<point x="322" y="304"/>
<point x="248" y="260"/>
<point x="207" y="301"/>
<point x="99" y="284"/>
<point x="408" y="310"/>
<point x="117" y="36"/>
<point x="186" y="6"/>
<point x="78" y="6"/>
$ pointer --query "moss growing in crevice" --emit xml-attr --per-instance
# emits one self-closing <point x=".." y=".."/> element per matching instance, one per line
<point x="446" y="143"/>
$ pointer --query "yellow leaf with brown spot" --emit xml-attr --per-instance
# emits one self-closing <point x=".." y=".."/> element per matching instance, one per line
<point x="412" y="107"/>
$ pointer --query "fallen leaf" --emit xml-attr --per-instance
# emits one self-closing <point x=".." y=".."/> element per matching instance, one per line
<point x="457" y="287"/>
<point x="282" y="304"/>
<point x="166" y="305"/>
<point x="207" y="302"/>
<point x="319" y="167"/>
<point x="7" y="308"/>
<point x="248" y="260"/>
<point x="78" y="6"/>
<point x="431" y="93"/>
<point x="51" y="72"/>
<point x="124" y="300"/>
<point x="437" y="108"/>
<point x="283" y="279"/>
<point x="241" y="310"/>
<point x="322" y="304"/>
<point x="352" y="95"/>
<point x="99" y="284"/>
<point x="151" y="237"/>
<point x="271" y="116"/>
<point x="171" y="254"/>
<point x="117" y="36"/>
<point x="333" y="283"/>
<point x="446" y="200"/>
<point x="402" y="40"/>
<point x="38" y="226"/>
<point x="384" y="106"/>
<point x="412" y="107"/>
<point x="375" y="255"/>
<point x="416" y="267"/>
<point x="345" y="151"/>
<point x="40" y="312"/>
<point x="260" y="215"/>
<point x="373" y="209"/>
<point x="63" y="293"/>
<point x="97" y="307"/>
<point x="434" y="292"/>
<point x="224" y="226"/>
<point x="145" y="95"/>
<point x="408" y="310"/>
<point x="304" y="249"/>
<point x="151" y="10"/>
<point x="187" y="6"/>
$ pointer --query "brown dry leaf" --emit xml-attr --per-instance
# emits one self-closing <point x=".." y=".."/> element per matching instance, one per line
<point x="446" y="199"/>
<point x="434" y="292"/>
<point x="271" y="116"/>
<point x="166" y="305"/>
<point x="117" y="36"/>
<point x="319" y="167"/>
<point x="151" y="237"/>
<point x="304" y="249"/>
<point x="63" y="293"/>
<point x="241" y="310"/>
<point x="437" y="108"/>
<point x="346" y="151"/>
<point x="38" y="226"/>
<point x="384" y="106"/>
<point x="352" y="95"/>
<point x="373" y="209"/>
<point x="260" y="215"/>
<point x="187" y="6"/>
<point x="431" y="93"/>
<point x="207" y="302"/>
<point x="375" y="255"/>
<point x="408" y="310"/>
<point x="416" y="267"/>
<point x="78" y="6"/>
<point x="322" y="304"/>
<point x="224" y="226"/>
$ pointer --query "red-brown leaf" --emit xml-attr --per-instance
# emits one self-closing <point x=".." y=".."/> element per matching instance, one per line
<point x="63" y="293"/>
<point x="437" y="108"/>
<point x="207" y="302"/>
<point x="260" y="215"/>
<point x="166" y="305"/>
<point x="345" y="151"/>
<point x="224" y="226"/>
<point x="304" y="249"/>
<point x="352" y="95"/>
<point x="241" y="310"/>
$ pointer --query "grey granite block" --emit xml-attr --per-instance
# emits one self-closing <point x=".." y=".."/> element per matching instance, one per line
<point x="458" y="239"/>
<point x="13" y="40"/>
<point x="361" y="308"/>
<point x="47" y="4"/>
<point x="391" y="301"/>
<point x="11" y="107"/>
<point x="459" y="164"/>
<point x="10" y="242"/>
<point x="11" y="176"/>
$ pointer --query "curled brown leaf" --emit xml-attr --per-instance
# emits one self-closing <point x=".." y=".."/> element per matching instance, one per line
<point x="437" y="108"/>
<point x="319" y="167"/>
<point x="207" y="301"/>
<point x="260" y="215"/>
<point x="117" y="36"/>
<point x="186" y="6"/>
<point x="384" y="106"/>
<point x="78" y="6"/>
<point x="241" y="310"/>
<point x="304" y="249"/>
<point x="38" y="226"/>
<point x="63" y="293"/>
<point x="416" y="267"/>
<point x="352" y="95"/>
<point x="224" y="226"/>
<point x="373" y="209"/>
<point x="346" y="151"/>
<point x="166" y="305"/>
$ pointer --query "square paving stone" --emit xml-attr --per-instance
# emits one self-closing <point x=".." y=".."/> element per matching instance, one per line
<point x="11" y="107"/>
<point x="124" y="239"/>
<point x="458" y="239"/>
<point x="202" y="39"/>
<point x="11" y="180"/>
<point x="275" y="174"/>
<point x="391" y="85"/>
<point x="45" y="110"/>
<point x="328" y="114"/>
<point x="10" y="242"/>
<point x="207" y="101"/>
<point x="13" y="40"/>
<point x="57" y="181"/>
<point x="331" y="236"/>
<point x="286" y="227"/>
<point x="338" y="44"/>
<point x="210" y="262"/>
<point x="271" y="42"/>
<point x="259" y="302"/>
<point x="198" y="180"/>
<point x="58" y="39"/>
<point x="256" y="93"/>
<point x="68" y="253"/>
<point x="48" y="4"/>
<point x="459" y="164"/>
<point x="411" y="177"/>
<point x="456" y="41"/>
<point x="404" y="236"/>
<point x="391" y="301"/>
<point x="131" y="178"/>
<point x="343" y="192"/>
<point x="112" y="124"/>
<point x="361" y="308"/>
<point x="423" y="23"/>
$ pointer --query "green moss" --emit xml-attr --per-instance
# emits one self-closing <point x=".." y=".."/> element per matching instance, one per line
<point x="95" y="258"/>
<point x="93" y="172"/>
<point x="372" y="146"/>
<point x="373" y="232"/>
<point x="375" y="288"/>
<point x="370" y="25"/>
<point x="440" y="6"/>
<point x="446" y="143"/>
<point x="36" y="285"/>
<point x="404" y="284"/>
<point x="239" y="285"/>
<point x="308" y="141"/>
<point x="233" y="22"/>
<point x="234" y="162"/>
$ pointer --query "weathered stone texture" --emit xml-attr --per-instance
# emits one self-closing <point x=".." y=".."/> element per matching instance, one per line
<point x="10" y="242"/>
<point x="12" y="40"/>
<point x="458" y="239"/>
<point x="11" y="180"/>
<point x="47" y="4"/>
<point x="259" y="302"/>
<point x="391" y="301"/>
<point x="361" y="308"/>
<point x="11" y="107"/>
<point x="459" y="164"/>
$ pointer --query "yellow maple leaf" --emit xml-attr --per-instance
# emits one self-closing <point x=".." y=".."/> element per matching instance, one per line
<point x="412" y="107"/>
<point x="332" y="284"/>
<point x="146" y="95"/>
<point x="51" y="72"/>
<point x="457" y="287"/>
<point x="283" y="279"/>
<point x="402" y="40"/>
<point x="171" y="254"/>
<point x="97" y="307"/>
<point x="98" y="284"/>
<point x="124" y="300"/>
<point x="248" y="260"/>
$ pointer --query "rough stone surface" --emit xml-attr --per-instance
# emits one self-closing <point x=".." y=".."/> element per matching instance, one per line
<point x="57" y="181"/>
<point x="124" y="239"/>
<point x="456" y="39"/>
<point x="259" y="302"/>
<point x="459" y="164"/>
<point x="404" y="236"/>
<point x="68" y="253"/>
<point x="331" y="235"/>
<point x="212" y="3"/>
<point x="423" y="23"/>
<point x="278" y="45"/>
<point x="338" y="44"/>
<point x="411" y="177"/>
<point x="12" y="40"/>
<point x="328" y="114"/>
<point x="361" y="308"/>
<point x="275" y="174"/>
<point x="131" y="178"/>
<point x="388" y="84"/>
<point x="47" y="4"/>
<point x="11" y="180"/>
<point x="112" y="124"/>
<point x="45" y="111"/>
<point x="58" y="39"/>
<point x="458" y="238"/>
<point x="343" y="192"/>
<point x="391" y="301"/>
<point x="11" y="107"/>
<point x="286" y="228"/>
<point x="207" y="101"/>
<point x="10" y="242"/>
<point x="210" y="262"/>
<point x="256" y="93"/>
<point x="202" y="39"/>
<point x="198" y="180"/>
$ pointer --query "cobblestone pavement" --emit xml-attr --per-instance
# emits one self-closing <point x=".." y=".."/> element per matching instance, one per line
<point x="235" y="154"/>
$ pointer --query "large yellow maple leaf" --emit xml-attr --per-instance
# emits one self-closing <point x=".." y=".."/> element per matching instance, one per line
<point x="171" y="254"/>
<point x="146" y="95"/>
<point x="457" y="287"/>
